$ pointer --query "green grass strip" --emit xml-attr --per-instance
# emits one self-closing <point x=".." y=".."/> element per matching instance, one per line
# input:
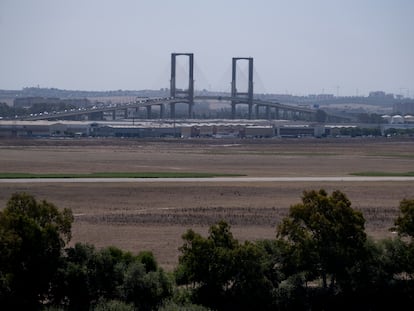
<point x="384" y="174"/>
<point x="116" y="175"/>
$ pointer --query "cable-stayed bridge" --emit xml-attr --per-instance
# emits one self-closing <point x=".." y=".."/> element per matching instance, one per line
<point x="166" y="106"/>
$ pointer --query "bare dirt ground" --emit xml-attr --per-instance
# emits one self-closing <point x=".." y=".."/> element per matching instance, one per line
<point x="153" y="216"/>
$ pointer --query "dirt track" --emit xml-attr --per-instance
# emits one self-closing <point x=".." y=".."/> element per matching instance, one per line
<point x="153" y="216"/>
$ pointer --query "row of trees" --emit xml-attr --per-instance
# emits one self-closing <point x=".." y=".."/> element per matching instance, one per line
<point x="10" y="112"/>
<point x="321" y="259"/>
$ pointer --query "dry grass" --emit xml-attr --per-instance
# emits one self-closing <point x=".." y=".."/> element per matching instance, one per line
<point x="153" y="216"/>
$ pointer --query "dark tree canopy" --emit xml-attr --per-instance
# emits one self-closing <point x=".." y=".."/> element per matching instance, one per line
<point x="32" y="237"/>
<point x="89" y="276"/>
<point x="226" y="275"/>
<point x="321" y="259"/>
<point x="323" y="235"/>
<point x="405" y="222"/>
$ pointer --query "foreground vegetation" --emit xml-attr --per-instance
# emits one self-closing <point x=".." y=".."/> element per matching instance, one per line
<point x="320" y="259"/>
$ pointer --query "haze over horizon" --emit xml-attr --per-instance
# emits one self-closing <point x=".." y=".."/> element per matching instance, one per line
<point x="345" y="48"/>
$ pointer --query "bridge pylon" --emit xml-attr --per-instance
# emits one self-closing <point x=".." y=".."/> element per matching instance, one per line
<point x="187" y="94"/>
<point x="241" y="97"/>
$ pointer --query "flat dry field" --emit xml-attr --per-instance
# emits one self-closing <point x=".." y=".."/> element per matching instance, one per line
<point x="153" y="216"/>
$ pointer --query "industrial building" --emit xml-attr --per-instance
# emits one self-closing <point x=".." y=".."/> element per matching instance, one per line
<point x="184" y="129"/>
<point x="217" y="129"/>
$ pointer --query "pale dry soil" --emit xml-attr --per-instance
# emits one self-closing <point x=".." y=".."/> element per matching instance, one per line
<point x="153" y="216"/>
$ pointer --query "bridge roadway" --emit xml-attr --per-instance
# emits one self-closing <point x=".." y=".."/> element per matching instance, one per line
<point x="148" y="103"/>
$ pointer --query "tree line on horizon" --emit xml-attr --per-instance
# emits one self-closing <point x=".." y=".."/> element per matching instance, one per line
<point x="320" y="259"/>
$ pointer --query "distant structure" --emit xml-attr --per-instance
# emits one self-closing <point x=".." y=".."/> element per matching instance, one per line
<point x="380" y="95"/>
<point x="27" y="102"/>
<point x="55" y="104"/>
<point x="240" y="97"/>
<point x="404" y="108"/>
<point x="187" y="94"/>
<point x="145" y="129"/>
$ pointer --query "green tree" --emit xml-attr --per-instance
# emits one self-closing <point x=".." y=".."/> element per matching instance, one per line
<point x="148" y="259"/>
<point x="404" y="224"/>
<point x="146" y="291"/>
<point x="224" y="274"/>
<point x="113" y="305"/>
<point x="75" y="285"/>
<point x="32" y="237"/>
<point x="91" y="277"/>
<point x="322" y="236"/>
<point x="252" y="286"/>
<point x="172" y="306"/>
<point x="206" y="263"/>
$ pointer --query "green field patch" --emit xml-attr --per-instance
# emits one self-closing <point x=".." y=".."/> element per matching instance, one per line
<point x="116" y="175"/>
<point x="384" y="174"/>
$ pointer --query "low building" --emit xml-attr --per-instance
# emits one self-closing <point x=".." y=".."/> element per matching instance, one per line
<point x="300" y="131"/>
<point x="193" y="128"/>
<point x="72" y="129"/>
<point x="24" y="129"/>
<point x="134" y="131"/>
<point x="259" y="132"/>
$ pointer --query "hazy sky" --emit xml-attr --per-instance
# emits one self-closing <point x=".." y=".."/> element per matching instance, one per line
<point x="344" y="47"/>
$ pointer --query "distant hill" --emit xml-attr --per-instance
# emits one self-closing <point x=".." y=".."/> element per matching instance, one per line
<point x="59" y="93"/>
